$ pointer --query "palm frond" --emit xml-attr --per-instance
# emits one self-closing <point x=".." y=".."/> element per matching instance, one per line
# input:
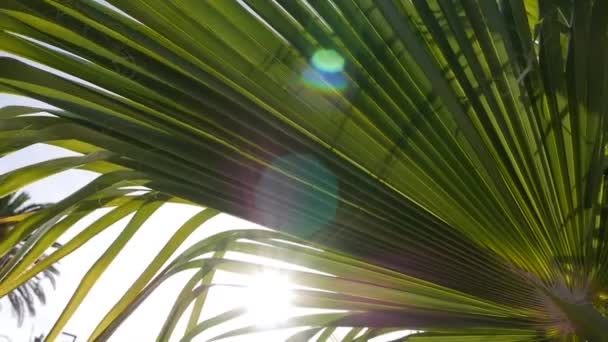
<point x="458" y="144"/>
<point x="23" y="298"/>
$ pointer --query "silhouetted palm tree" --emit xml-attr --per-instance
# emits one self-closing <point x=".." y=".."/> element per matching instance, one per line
<point x="23" y="298"/>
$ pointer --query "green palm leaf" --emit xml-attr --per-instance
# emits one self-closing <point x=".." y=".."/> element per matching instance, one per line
<point x="448" y="157"/>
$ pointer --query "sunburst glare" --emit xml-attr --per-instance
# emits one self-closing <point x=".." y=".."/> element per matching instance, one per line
<point x="269" y="298"/>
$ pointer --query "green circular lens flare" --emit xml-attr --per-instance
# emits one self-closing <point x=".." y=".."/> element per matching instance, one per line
<point x="328" y="60"/>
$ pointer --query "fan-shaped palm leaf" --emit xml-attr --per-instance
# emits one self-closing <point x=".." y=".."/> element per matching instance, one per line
<point x="458" y="144"/>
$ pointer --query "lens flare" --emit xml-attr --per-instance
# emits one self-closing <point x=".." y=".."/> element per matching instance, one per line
<point x="324" y="81"/>
<point x="327" y="60"/>
<point x="274" y="189"/>
<point x="326" y="71"/>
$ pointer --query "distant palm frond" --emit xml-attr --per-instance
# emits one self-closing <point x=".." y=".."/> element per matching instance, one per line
<point x="23" y="299"/>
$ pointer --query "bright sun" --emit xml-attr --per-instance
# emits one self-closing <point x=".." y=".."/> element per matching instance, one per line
<point x="269" y="298"/>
